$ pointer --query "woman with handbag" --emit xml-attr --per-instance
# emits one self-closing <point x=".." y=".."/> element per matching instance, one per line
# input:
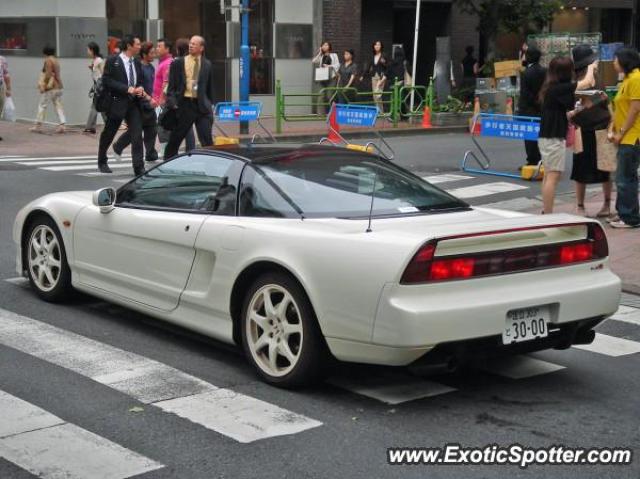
<point x="96" y="67"/>
<point x="50" y="87"/>
<point x="557" y="97"/>
<point x="626" y="133"/>
<point x="584" y="170"/>
<point x="377" y="71"/>
<point x="326" y="64"/>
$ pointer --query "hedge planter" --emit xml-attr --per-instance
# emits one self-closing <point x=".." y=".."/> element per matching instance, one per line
<point x="451" y="119"/>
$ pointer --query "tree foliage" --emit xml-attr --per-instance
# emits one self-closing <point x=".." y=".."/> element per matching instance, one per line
<point x="519" y="16"/>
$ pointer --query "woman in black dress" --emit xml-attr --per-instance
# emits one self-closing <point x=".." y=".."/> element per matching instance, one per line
<point x="585" y="164"/>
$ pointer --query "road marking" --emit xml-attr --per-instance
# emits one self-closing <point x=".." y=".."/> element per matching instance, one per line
<point x="520" y="367"/>
<point x="47" y="158"/>
<point x="152" y="382"/>
<point x="85" y="167"/>
<point x="109" y="175"/>
<point x="62" y="162"/>
<point x="49" y="447"/>
<point x="611" y="346"/>
<point x="11" y="156"/>
<point x="627" y="314"/>
<point x="436" y="179"/>
<point x="516" y="204"/>
<point x="391" y="388"/>
<point x="18" y="281"/>
<point x="485" y="190"/>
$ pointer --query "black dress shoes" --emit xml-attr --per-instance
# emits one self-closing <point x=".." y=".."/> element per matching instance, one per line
<point x="139" y="172"/>
<point x="104" y="168"/>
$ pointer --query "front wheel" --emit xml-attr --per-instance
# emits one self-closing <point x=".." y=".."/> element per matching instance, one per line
<point x="280" y="333"/>
<point x="46" y="260"/>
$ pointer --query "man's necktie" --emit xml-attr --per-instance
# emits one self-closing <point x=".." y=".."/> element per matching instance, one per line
<point x="196" y="73"/>
<point x="131" y="79"/>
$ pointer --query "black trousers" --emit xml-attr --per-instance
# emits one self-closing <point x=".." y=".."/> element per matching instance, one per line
<point x="188" y="115"/>
<point x="134" y="123"/>
<point x="149" y="134"/>
<point x="533" y="152"/>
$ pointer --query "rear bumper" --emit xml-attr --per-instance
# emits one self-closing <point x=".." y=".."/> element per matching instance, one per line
<point x="414" y="320"/>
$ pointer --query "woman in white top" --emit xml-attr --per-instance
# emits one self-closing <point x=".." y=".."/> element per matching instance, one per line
<point x="96" y="66"/>
<point x="325" y="58"/>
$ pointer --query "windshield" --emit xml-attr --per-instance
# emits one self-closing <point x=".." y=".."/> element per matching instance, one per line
<point x="341" y="185"/>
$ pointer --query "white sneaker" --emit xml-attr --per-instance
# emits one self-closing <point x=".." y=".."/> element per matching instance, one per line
<point x="117" y="156"/>
<point x="622" y="224"/>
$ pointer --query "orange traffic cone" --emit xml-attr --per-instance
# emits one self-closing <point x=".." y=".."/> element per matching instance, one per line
<point x="426" y="117"/>
<point x="334" y="127"/>
<point x="509" y="107"/>
<point x="474" y="123"/>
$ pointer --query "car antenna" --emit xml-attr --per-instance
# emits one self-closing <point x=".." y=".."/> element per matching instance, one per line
<point x="373" y="195"/>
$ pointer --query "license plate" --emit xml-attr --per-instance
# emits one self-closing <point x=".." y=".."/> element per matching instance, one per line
<point x="526" y="324"/>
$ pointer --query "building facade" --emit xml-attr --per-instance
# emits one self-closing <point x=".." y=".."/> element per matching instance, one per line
<point x="284" y="35"/>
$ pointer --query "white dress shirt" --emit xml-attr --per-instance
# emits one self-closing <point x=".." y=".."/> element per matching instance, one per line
<point x="126" y="60"/>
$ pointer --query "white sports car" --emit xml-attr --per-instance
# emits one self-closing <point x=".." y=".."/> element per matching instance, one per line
<point x="299" y="253"/>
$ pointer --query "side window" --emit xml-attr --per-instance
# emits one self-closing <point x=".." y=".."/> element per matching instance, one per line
<point x="259" y="197"/>
<point x="190" y="182"/>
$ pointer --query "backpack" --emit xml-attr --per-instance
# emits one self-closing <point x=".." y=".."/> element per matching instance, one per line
<point x="101" y="97"/>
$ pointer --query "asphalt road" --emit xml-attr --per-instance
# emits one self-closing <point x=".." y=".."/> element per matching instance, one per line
<point x="577" y="397"/>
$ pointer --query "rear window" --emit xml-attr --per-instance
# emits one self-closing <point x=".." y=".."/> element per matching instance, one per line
<point x="343" y="186"/>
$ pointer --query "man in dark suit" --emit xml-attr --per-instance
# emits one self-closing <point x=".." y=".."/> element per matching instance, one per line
<point x="190" y="93"/>
<point x="529" y="104"/>
<point x="122" y="78"/>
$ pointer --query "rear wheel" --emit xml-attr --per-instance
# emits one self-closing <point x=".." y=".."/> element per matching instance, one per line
<point x="280" y="333"/>
<point x="46" y="261"/>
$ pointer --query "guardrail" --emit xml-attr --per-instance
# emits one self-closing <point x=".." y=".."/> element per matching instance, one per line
<point x="395" y="102"/>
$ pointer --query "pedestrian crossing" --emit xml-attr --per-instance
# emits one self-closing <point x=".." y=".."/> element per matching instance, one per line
<point x="49" y="446"/>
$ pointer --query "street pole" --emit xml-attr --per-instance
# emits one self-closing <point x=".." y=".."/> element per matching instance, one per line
<point x="415" y="53"/>
<point x="245" y="61"/>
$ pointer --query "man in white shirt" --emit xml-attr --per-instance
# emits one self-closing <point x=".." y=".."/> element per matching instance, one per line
<point x="5" y="84"/>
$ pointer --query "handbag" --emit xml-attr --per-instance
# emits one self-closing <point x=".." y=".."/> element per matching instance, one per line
<point x="571" y="136"/>
<point x="9" y="112"/>
<point x="168" y="118"/>
<point x="322" y="74"/>
<point x="607" y="152"/>
<point x="595" y="115"/>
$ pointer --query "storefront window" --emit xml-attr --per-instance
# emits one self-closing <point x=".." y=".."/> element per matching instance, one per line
<point x="125" y="17"/>
<point x="261" y="46"/>
<point x="26" y="35"/>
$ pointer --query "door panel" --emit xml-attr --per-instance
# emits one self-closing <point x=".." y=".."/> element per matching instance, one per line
<point x="142" y="255"/>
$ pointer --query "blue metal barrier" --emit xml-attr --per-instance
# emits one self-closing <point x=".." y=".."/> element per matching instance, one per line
<point x="507" y="127"/>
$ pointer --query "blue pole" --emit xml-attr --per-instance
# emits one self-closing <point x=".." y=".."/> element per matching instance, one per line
<point x="245" y="61"/>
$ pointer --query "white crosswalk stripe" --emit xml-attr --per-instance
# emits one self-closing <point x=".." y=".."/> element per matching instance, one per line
<point x="92" y="163"/>
<point x="627" y="314"/>
<point x="520" y="367"/>
<point x="85" y="167"/>
<point x="23" y="159"/>
<point x="49" y="447"/>
<point x="446" y="178"/>
<point x="611" y="346"/>
<point x="233" y="414"/>
<point x="485" y="189"/>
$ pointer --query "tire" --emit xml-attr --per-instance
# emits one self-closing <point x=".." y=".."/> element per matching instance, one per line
<point x="294" y="337"/>
<point x="49" y="258"/>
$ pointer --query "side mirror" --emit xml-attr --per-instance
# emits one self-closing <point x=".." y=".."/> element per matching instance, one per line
<point x="105" y="199"/>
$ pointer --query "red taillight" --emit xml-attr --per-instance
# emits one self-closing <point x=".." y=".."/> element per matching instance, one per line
<point x="424" y="268"/>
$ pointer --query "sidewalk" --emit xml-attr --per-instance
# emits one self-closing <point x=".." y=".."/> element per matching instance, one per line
<point x="74" y="142"/>
<point x="624" y="244"/>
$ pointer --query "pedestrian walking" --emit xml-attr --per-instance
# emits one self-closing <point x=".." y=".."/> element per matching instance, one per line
<point x="557" y="96"/>
<point x="50" y="88"/>
<point x="626" y="133"/>
<point x="347" y="75"/>
<point x="160" y="85"/>
<point x="191" y="94"/>
<point x="327" y="65"/>
<point x="5" y="84"/>
<point x="531" y="80"/>
<point x="147" y="108"/>
<point x="182" y="50"/>
<point x="96" y="67"/>
<point x="377" y="71"/>
<point x="470" y="70"/>
<point x="584" y="170"/>
<point x="122" y="78"/>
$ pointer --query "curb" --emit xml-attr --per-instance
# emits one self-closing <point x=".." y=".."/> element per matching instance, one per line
<point x="355" y="135"/>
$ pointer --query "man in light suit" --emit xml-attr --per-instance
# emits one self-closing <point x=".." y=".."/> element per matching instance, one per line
<point x="191" y="93"/>
<point x="122" y="78"/>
